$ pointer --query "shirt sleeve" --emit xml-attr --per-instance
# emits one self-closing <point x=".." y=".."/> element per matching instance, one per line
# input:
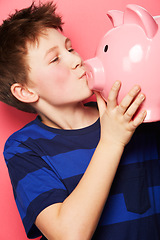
<point x="36" y="185"/>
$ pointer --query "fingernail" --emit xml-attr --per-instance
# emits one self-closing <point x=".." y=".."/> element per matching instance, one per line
<point x="117" y="83"/>
<point x="142" y="96"/>
<point x="137" y="88"/>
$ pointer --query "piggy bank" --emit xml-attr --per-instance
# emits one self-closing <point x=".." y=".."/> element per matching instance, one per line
<point x="129" y="52"/>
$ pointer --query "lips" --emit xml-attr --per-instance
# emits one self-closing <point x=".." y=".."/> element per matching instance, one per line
<point x="84" y="74"/>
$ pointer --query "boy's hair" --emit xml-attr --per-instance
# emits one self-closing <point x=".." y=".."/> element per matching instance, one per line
<point x="20" y="28"/>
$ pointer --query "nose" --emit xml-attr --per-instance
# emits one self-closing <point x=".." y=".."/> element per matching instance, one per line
<point x="74" y="60"/>
<point x="77" y="62"/>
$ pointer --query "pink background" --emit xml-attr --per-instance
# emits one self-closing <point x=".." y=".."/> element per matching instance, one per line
<point x="85" y="23"/>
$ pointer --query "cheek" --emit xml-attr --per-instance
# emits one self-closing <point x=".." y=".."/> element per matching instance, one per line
<point x="55" y="79"/>
<point x="60" y="76"/>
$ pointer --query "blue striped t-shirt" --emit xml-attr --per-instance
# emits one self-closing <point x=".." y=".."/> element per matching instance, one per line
<point x="46" y="164"/>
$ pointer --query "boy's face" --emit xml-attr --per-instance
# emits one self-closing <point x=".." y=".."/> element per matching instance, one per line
<point x="56" y="71"/>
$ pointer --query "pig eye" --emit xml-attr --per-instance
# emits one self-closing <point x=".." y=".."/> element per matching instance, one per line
<point x="106" y="48"/>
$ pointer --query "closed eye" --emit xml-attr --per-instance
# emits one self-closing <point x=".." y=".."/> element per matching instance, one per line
<point x="54" y="60"/>
<point x="71" y="50"/>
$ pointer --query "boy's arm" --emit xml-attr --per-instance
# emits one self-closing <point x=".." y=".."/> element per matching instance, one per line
<point x="77" y="217"/>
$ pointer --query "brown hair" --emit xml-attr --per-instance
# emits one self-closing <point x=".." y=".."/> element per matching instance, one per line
<point x="20" y="28"/>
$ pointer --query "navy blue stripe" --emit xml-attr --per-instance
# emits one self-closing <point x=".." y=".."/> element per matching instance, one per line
<point x="41" y="202"/>
<point x="147" y="228"/>
<point x="143" y="145"/>
<point x="71" y="182"/>
<point x="118" y="209"/>
<point x="59" y="144"/>
<point x="158" y="141"/>
<point x="149" y="170"/>
<point x="21" y="165"/>
<point x="33" y="185"/>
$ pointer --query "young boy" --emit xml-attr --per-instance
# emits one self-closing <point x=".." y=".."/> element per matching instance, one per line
<point x="63" y="163"/>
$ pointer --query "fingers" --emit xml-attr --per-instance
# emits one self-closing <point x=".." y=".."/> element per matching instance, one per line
<point x="127" y="100"/>
<point x="138" y="120"/>
<point x="134" y="107"/>
<point x="113" y="94"/>
<point x="112" y="98"/>
<point x="128" y="106"/>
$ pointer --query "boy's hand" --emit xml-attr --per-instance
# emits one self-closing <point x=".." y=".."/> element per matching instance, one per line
<point x="117" y="123"/>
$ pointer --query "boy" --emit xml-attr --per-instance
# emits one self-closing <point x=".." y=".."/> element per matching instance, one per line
<point x="63" y="163"/>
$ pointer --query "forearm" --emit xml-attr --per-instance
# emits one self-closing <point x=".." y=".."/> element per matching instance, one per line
<point x="80" y="212"/>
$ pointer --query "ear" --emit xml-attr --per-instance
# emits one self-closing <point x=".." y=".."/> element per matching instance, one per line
<point x="23" y="93"/>
<point x="138" y="15"/>
<point x="116" y="17"/>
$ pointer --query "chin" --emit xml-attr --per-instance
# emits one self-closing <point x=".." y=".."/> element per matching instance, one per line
<point x="91" y="98"/>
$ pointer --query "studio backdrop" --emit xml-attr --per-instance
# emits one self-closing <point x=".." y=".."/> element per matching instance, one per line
<point x="85" y="23"/>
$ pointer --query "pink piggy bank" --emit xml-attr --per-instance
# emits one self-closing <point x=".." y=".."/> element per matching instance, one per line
<point x="130" y="52"/>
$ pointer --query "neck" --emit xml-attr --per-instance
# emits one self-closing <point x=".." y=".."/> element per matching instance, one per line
<point x="69" y="117"/>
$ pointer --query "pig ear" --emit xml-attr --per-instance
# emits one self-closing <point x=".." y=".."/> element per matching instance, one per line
<point x="138" y="15"/>
<point x="116" y="17"/>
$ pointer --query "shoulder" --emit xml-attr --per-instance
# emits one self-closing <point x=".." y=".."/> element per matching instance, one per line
<point x="33" y="131"/>
<point x="24" y="140"/>
<point x="21" y="134"/>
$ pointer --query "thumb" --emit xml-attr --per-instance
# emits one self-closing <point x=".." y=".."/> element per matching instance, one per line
<point x="101" y="104"/>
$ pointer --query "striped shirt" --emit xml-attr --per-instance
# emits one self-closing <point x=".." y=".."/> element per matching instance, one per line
<point x="45" y="165"/>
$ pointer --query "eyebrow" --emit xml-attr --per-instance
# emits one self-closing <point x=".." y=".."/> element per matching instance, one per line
<point x="53" y="48"/>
